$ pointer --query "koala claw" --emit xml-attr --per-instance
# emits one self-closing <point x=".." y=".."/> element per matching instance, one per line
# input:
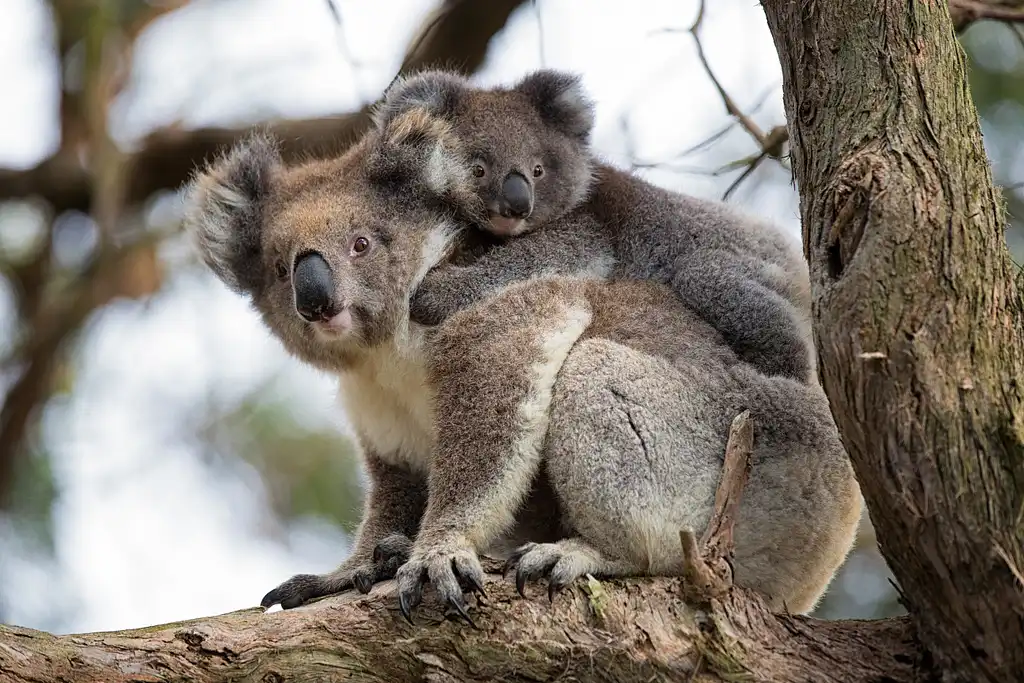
<point x="389" y="554"/>
<point x="451" y="568"/>
<point x="298" y="590"/>
<point x="533" y="561"/>
<point x="362" y="583"/>
<point x="408" y="601"/>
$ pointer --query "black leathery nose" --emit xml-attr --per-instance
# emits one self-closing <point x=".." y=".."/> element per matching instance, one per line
<point x="313" y="286"/>
<point x="517" y="195"/>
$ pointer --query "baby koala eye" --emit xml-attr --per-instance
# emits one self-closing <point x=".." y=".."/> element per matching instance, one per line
<point x="538" y="171"/>
<point x="479" y="171"/>
<point x="360" y="245"/>
<point x="282" y="270"/>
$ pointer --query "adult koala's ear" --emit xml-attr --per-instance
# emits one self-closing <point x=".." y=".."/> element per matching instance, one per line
<point x="224" y="204"/>
<point x="438" y="92"/>
<point x="561" y="101"/>
<point x="420" y="153"/>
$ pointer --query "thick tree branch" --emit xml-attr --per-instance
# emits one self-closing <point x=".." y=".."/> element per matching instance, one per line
<point x="625" y="632"/>
<point x="917" y="311"/>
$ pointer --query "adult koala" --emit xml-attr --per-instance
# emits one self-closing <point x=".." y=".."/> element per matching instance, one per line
<point x="583" y="418"/>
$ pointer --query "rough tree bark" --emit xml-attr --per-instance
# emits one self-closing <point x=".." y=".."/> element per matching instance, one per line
<point x="918" y="323"/>
<point x="917" y="311"/>
<point x="631" y="632"/>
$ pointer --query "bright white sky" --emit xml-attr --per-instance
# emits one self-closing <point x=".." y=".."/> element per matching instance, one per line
<point x="145" y="532"/>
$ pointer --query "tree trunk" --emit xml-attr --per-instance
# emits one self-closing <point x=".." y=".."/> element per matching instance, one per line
<point x="917" y="311"/>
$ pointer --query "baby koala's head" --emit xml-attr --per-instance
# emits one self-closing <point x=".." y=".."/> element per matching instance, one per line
<point x="329" y="251"/>
<point x="528" y="145"/>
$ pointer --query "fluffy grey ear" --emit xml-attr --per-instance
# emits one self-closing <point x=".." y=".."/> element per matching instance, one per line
<point x="418" y="152"/>
<point x="223" y="211"/>
<point x="436" y="91"/>
<point x="561" y="101"/>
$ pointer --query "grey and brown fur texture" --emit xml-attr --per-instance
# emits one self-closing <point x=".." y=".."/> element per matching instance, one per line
<point x="535" y="171"/>
<point x="571" y="424"/>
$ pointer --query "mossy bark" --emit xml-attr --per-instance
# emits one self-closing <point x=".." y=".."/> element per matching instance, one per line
<point x="917" y="311"/>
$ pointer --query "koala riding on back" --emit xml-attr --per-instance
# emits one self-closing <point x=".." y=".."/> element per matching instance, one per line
<point x="534" y="169"/>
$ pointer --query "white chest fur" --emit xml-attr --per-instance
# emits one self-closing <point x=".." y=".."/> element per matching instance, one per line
<point x="389" y="400"/>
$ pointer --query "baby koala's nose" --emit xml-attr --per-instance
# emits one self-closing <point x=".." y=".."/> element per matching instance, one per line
<point x="517" y="195"/>
<point x="314" y="288"/>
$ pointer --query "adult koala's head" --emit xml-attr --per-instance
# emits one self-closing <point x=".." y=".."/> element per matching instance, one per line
<point x="329" y="251"/>
<point x="528" y="144"/>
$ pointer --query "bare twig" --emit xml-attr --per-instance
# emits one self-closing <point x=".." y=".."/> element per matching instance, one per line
<point x="707" y="568"/>
<point x="730" y="105"/>
<point x="770" y="145"/>
<point x="706" y="142"/>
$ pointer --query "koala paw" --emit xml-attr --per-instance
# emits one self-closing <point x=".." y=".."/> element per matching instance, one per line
<point x="392" y="552"/>
<point x="358" y="574"/>
<point x="452" y="567"/>
<point x="561" y="563"/>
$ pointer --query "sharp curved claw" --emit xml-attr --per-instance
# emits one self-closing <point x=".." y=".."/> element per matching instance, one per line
<point x="403" y="607"/>
<point x="521" y="583"/>
<point x="509" y="564"/>
<point x="378" y="554"/>
<point x="476" y="586"/>
<point x="362" y="583"/>
<point x="553" y="589"/>
<point x="459" y="607"/>
<point x="270" y="599"/>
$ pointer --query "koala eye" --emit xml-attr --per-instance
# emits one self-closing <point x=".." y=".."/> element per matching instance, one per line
<point x="479" y="171"/>
<point x="538" y="171"/>
<point x="360" y="245"/>
<point x="282" y="270"/>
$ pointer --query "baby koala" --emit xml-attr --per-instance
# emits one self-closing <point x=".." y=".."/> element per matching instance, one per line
<point x="534" y="169"/>
<point x="570" y="424"/>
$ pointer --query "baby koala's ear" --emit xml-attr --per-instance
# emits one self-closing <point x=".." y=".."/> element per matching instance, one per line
<point x="561" y="101"/>
<point x="223" y="211"/>
<point x="438" y="92"/>
<point x="419" y="152"/>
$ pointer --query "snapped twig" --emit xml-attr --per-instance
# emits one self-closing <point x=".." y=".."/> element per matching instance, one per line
<point x="707" y="567"/>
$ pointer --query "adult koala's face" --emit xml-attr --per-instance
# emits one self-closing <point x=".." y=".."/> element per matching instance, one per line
<point x="330" y="251"/>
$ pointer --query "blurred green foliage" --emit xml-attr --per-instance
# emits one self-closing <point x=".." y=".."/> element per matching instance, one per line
<point x="995" y="55"/>
<point x="31" y="501"/>
<point x="308" y="470"/>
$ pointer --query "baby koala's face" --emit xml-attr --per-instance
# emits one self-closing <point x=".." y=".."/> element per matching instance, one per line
<point x="528" y="145"/>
